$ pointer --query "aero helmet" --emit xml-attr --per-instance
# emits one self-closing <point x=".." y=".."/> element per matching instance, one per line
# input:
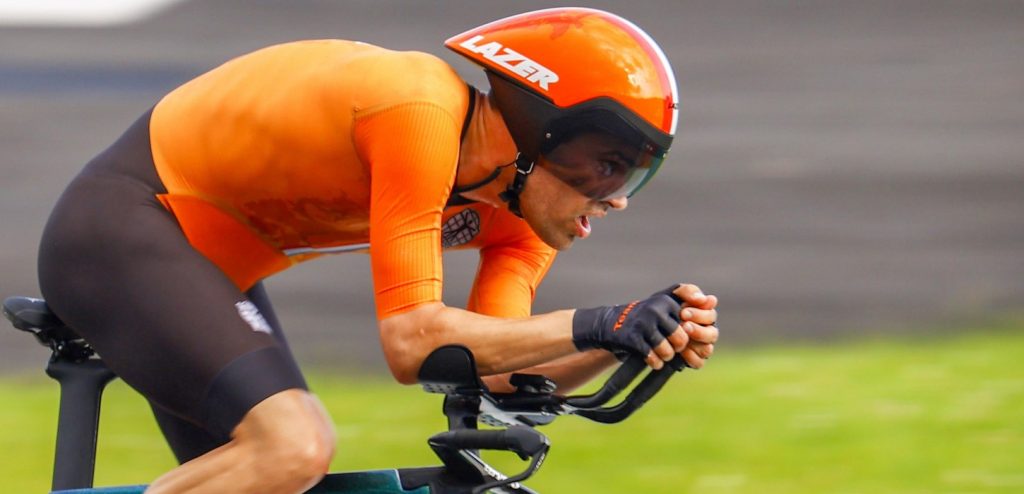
<point x="557" y="73"/>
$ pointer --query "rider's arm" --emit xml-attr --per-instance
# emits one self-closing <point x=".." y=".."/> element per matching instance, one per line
<point x="499" y="345"/>
<point x="512" y="263"/>
<point x="652" y="327"/>
<point x="568" y="372"/>
<point x="412" y="150"/>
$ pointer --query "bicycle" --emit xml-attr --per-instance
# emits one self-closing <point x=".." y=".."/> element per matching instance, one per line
<point x="449" y="370"/>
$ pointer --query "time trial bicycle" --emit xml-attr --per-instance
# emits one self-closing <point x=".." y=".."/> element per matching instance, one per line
<point x="449" y="370"/>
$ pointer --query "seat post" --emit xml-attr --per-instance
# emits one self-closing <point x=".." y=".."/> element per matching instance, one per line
<point x="81" y="388"/>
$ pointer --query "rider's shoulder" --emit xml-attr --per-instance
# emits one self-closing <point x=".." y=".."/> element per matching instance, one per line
<point x="372" y="78"/>
<point x="416" y="74"/>
<point x="345" y="57"/>
<point x="420" y="74"/>
<point x="416" y="61"/>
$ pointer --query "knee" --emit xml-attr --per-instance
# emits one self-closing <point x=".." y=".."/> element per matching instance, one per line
<point x="303" y="456"/>
<point x="289" y="444"/>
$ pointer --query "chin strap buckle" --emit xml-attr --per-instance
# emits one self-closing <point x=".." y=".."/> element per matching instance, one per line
<point x="524" y="167"/>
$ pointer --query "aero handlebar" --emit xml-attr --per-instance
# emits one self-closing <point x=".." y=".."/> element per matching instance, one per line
<point x="451" y="370"/>
<point x="520" y="440"/>
<point x="590" y="406"/>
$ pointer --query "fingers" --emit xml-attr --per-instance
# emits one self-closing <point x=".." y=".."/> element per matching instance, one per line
<point x="654" y="361"/>
<point x="692" y="296"/>
<point x="694" y="352"/>
<point x="702" y="350"/>
<point x="692" y="358"/>
<point x="665" y="350"/>
<point x="702" y="334"/>
<point x="678" y="339"/>
<point x="696" y="334"/>
<point x="705" y="317"/>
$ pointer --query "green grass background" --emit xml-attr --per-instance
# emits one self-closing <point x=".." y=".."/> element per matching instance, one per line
<point x="935" y="413"/>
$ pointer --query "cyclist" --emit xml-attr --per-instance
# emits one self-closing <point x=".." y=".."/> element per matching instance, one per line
<point x="156" y="250"/>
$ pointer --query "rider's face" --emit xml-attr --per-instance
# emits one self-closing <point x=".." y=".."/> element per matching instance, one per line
<point x="596" y="164"/>
<point x="554" y="203"/>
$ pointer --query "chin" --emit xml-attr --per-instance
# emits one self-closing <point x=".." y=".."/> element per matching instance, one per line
<point x="556" y="240"/>
<point x="554" y="237"/>
<point x="565" y="243"/>
<point x="564" y="246"/>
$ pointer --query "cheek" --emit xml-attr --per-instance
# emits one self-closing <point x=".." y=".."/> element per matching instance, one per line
<point x="564" y="195"/>
<point x="540" y="221"/>
<point x="551" y="199"/>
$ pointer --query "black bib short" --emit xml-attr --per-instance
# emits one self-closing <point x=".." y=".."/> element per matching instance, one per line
<point x="115" y="266"/>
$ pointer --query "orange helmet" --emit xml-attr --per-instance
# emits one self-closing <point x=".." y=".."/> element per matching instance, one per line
<point x="560" y="72"/>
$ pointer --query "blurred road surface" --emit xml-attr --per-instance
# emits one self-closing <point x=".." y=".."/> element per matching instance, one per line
<point x="842" y="167"/>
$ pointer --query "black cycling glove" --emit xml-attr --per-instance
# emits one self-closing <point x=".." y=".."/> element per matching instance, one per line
<point x="633" y="328"/>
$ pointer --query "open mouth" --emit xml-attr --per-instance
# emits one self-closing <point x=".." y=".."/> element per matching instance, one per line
<point x="582" y="226"/>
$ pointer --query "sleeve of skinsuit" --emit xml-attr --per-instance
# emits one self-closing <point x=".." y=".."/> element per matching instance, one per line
<point x="412" y="150"/>
<point x="512" y="263"/>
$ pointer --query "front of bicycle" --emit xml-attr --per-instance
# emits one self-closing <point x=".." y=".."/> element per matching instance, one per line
<point x="449" y="370"/>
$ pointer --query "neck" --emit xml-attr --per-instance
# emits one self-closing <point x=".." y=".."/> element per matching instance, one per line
<point x="487" y="145"/>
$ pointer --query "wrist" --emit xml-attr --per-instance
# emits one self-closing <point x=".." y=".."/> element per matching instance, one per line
<point x="587" y="325"/>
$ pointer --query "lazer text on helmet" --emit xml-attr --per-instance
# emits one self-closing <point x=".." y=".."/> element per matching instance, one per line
<point x="512" y="60"/>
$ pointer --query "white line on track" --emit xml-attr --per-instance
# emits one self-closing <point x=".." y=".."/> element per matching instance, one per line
<point x="72" y="13"/>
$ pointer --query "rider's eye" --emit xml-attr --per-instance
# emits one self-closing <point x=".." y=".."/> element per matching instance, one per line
<point x="608" y="168"/>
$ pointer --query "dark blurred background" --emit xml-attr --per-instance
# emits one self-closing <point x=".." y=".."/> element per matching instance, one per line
<point x="841" y="169"/>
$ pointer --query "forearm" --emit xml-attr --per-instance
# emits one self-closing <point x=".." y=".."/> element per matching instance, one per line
<point x="499" y="345"/>
<point x="568" y="372"/>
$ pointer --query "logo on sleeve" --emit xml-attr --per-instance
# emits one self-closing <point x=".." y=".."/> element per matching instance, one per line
<point x="512" y="60"/>
<point x="460" y="228"/>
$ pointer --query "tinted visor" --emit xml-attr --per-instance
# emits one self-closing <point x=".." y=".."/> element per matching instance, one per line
<point x="600" y="165"/>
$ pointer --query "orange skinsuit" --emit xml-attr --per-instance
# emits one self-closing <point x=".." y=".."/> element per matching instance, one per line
<point x="300" y="149"/>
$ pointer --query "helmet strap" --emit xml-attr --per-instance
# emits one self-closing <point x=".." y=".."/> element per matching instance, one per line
<point x="524" y="167"/>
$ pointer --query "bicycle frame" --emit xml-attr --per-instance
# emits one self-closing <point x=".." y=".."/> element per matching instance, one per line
<point x="449" y="370"/>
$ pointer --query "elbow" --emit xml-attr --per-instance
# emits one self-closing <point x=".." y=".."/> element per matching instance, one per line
<point x="401" y="356"/>
<point x="406" y="340"/>
<point x="403" y="374"/>
<point x="403" y="368"/>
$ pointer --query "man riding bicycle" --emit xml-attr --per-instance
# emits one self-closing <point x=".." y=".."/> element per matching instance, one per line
<point x="156" y="251"/>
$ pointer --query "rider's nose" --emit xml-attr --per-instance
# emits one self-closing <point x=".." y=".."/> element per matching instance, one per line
<point x="617" y="202"/>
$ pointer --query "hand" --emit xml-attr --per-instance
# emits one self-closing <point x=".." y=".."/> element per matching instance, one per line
<point x="679" y="319"/>
<point x="698" y="334"/>
<point x="634" y="328"/>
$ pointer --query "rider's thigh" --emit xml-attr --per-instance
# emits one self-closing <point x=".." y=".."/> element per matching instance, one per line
<point x="115" y="265"/>
<point x="283" y="444"/>
<point x="188" y="440"/>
